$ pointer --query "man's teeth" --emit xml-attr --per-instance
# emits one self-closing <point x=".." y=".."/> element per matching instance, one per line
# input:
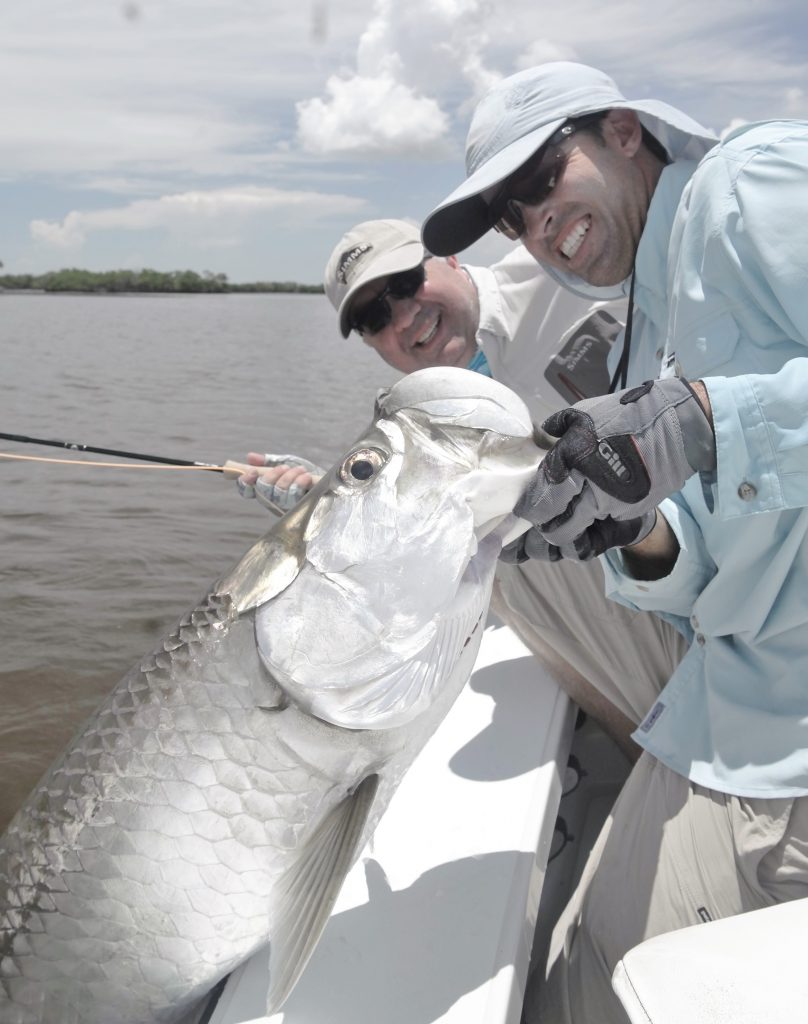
<point x="430" y="334"/>
<point x="572" y="242"/>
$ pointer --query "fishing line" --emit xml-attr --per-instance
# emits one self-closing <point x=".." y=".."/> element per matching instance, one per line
<point x="114" y="465"/>
<point x="230" y="469"/>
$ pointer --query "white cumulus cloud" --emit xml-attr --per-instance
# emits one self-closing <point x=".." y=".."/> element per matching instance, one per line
<point x="417" y="65"/>
<point x="189" y="211"/>
<point x="363" y="114"/>
<point x="736" y="122"/>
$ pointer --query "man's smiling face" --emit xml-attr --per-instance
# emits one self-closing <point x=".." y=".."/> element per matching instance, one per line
<point x="591" y="223"/>
<point x="436" y="327"/>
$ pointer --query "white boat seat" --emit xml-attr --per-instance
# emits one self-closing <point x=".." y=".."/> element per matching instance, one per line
<point x="749" y="969"/>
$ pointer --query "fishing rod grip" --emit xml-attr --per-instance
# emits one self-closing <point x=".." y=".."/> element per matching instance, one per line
<point x="233" y="469"/>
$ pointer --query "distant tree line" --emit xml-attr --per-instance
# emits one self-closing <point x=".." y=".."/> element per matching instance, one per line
<point x="116" y="281"/>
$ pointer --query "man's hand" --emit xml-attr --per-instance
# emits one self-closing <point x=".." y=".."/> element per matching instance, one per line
<point x="618" y="456"/>
<point x="283" y="484"/>
<point x="602" y="535"/>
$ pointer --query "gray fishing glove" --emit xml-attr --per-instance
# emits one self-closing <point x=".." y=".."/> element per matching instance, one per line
<point x="601" y="535"/>
<point x="269" y="493"/>
<point x="617" y="456"/>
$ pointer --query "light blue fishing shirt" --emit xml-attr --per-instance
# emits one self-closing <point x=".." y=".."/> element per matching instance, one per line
<point x="722" y="295"/>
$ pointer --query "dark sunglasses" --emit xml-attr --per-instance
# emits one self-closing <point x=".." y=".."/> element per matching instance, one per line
<point x="533" y="182"/>
<point x="375" y="315"/>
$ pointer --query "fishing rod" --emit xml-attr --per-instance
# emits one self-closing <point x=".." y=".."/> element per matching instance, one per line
<point x="230" y="468"/>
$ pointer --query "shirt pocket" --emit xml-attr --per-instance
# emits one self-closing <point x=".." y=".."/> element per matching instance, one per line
<point x="709" y="346"/>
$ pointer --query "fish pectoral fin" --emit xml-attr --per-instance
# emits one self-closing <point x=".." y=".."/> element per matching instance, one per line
<point x="312" y="890"/>
<point x="265" y="571"/>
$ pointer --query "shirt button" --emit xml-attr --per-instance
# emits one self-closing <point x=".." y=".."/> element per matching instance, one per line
<point x="660" y="352"/>
<point x="694" y="622"/>
<point x="700" y="639"/>
<point x="747" y="491"/>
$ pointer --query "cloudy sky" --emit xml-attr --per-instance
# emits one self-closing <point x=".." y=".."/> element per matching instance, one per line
<point x="244" y="136"/>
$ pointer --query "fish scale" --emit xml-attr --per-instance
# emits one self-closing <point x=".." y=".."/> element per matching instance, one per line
<point x="108" y="798"/>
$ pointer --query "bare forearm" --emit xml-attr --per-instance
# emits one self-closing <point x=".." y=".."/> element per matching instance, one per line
<point x="655" y="555"/>
<point x="701" y="393"/>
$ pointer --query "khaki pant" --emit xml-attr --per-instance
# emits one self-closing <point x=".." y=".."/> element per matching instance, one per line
<point x="671" y="854"/>
<point x="560" y="612"/>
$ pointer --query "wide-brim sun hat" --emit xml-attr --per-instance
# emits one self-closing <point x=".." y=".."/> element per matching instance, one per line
<point x="370" y="250"/>
<point x="517" y="116"/>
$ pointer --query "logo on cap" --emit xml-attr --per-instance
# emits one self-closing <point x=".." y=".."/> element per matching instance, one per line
<point x="347" y="260"/>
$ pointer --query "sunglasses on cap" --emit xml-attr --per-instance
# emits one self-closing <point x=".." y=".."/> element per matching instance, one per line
<point x="533" y="182"/>
<point x="375" y="315"/>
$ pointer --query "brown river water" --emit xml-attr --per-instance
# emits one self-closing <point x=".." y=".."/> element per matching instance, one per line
<point x="97" y="564"/>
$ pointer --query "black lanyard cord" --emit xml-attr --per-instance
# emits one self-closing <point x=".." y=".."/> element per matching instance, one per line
<point x="621" y="373"/>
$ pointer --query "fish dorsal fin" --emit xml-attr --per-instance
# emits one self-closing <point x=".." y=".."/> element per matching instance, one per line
<point x="312" y="889"/>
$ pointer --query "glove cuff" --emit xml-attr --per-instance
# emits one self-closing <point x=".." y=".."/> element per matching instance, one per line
<point x="697" y="433"/>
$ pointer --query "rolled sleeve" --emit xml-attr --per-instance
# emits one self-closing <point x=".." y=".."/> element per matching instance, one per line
<point x="761" y="435"/>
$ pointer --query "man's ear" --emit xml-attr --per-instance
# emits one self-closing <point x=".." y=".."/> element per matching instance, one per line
<point x="453" y="261"/>
<point x="623" y="129"/>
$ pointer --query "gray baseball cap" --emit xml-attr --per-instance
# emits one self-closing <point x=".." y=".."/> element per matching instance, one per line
<point x="518" y="115"/>
<point x="370" y="250"/>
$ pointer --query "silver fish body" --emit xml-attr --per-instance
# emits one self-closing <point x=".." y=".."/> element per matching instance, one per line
<point x="214" y="803"/>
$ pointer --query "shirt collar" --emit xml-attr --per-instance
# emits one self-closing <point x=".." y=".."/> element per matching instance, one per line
<point x="492" y="316"/>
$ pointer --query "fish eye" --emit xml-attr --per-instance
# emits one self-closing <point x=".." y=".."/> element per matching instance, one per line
<point x="361" y="465"/>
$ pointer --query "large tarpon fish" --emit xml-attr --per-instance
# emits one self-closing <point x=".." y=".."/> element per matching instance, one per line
<point x="215" y="802"/>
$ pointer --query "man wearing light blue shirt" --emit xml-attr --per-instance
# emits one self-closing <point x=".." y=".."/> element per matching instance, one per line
<point x="714" y="819"/>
